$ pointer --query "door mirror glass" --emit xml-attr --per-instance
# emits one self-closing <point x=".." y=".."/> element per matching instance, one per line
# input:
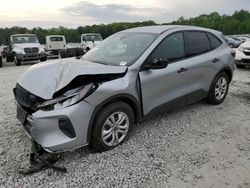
<point x="156" y="63"/>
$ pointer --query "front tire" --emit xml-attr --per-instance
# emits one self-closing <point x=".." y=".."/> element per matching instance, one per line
<point x="43" y="59"/>
<point x="112" y="126"/>
<point x="219" y="89"/>
<point x="17" y="61"/>
<point x="240" y="66"/>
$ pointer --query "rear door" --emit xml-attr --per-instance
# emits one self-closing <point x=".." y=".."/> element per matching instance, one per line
<point x="203" y="59"/>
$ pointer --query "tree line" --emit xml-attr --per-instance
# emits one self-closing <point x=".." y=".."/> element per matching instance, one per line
<point x="237" y="23"/>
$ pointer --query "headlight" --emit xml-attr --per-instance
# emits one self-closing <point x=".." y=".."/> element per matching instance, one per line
<point x="241" y="49"/>
<point x="69" y="98"/>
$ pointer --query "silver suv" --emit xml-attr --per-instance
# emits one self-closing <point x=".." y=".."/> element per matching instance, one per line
<point x="96" y="100"/>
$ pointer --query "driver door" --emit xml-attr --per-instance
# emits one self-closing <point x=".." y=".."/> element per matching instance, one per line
<point x="168" y="85"/>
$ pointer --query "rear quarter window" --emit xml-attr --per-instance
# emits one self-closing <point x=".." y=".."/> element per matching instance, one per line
<point x="215" y="42"/>
<point x="197" y="43"/>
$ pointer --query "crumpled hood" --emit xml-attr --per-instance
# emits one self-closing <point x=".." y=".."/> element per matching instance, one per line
<point x="45" y="79"/>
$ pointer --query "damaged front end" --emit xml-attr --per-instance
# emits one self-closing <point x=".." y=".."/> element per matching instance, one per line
<point x="51" y="106"/>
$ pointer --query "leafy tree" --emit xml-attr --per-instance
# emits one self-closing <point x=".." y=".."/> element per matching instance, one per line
<point x="238" y="23"/>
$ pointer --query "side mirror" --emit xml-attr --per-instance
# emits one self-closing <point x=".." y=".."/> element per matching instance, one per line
<point x="156" y="63"/>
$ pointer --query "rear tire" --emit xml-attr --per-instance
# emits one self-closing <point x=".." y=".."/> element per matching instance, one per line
<point x="112" y="126"/>
<point x="219" y="89"/>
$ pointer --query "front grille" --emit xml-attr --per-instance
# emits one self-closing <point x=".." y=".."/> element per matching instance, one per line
<point x="27" y="50"/>
<point x="35" y="50"/>
<point x="247" y="53"/>
<point x="246" y="61"/>
<point x="26" y="99"/>
<point x="31" y="50"/>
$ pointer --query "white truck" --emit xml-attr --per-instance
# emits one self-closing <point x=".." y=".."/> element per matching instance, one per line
<point x="25" y="47"/>
<point x="56" y="46"/>
<point x="90" y="40"/>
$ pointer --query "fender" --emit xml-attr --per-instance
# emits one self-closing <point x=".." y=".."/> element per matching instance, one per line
<point x="228" y="71"/>
<point x="129" y="99"/>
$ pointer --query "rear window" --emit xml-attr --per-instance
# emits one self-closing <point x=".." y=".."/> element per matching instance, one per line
<point x="215" y="42"/>
<point x="197" y="43"/>
<point x="56" y="39"/>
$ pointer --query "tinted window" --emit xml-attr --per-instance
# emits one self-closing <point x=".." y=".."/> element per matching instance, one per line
<point x="215" y="42"/>
<point x="171" y="48"/>
<point x="56" y="39"/>
<point x="197" y="43"/>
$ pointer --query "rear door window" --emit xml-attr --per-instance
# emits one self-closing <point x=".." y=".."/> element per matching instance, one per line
<point x="197" y="43"/>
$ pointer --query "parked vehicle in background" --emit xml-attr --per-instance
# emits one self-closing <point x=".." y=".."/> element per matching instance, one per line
<point x="242" y="56"/>
<point x="56" y="46"/>
<point x="243" y="38"/>
<point x="90" y="40"/>
<point x="25" y="47"/>
<point x="235" y="38"/>
<point x="96" y="100"/>
<point x="232" y="42"/>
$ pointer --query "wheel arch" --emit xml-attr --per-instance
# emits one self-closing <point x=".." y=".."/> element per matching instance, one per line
<point x="228" y="71"/>
<point x="127" y="98"/>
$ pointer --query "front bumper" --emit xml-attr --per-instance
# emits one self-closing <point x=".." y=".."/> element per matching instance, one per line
<point x="242" y="58"/>
<point x="44" y="128"/>
<point x="30" y="57"/>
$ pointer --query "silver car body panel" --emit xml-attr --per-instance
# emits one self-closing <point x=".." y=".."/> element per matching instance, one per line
<point x="150" y="88"/>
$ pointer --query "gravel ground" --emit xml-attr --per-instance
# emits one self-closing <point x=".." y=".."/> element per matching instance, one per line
<point x="197" y="146"/>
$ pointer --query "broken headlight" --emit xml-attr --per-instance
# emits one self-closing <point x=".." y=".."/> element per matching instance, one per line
<point x="69" y="98"/>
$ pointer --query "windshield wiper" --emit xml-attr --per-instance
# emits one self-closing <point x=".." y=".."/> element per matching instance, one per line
<point x="98" y="62"/>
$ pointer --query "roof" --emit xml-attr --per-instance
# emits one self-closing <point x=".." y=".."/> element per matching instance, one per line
<point x="54" y="36"/>
<point x="159" y="29"/>
<point x="91" y="34"/>
<point x="22" y="35"/>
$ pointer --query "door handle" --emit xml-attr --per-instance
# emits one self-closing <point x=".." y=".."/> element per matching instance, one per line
<point x="182" y="70"/>
<point x="215" y="60"/>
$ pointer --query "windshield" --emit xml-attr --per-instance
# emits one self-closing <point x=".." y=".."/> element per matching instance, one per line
<point x="25" y="39"/>
<point x="120" y="49"/>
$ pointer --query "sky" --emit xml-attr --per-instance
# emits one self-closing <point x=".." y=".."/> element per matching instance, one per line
<point x="74" y="13"/>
